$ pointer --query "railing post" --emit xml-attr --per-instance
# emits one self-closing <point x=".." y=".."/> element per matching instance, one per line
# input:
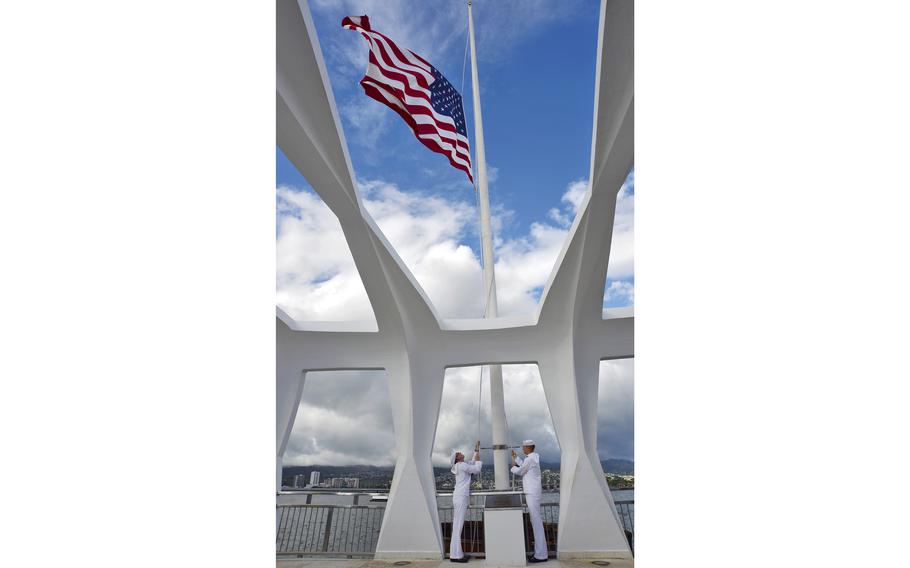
<point x="328" y="527"/>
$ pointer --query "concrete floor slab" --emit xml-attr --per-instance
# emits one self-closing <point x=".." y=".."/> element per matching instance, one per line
<point x="476" y="563"/>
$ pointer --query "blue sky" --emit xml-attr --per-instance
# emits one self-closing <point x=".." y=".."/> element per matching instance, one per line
<point x="537" y="69"/>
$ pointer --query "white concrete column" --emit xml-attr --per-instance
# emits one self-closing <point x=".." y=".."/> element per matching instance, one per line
<point x="588" y="523"/>
<point x="501" y="458"/>
<point x="410" y="526"/>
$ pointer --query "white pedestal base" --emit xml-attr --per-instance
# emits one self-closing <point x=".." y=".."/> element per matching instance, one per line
<point x="504" y="538"/>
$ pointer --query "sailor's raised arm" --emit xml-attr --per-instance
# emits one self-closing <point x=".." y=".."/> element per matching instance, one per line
<point x="522" y="467"/>
<point x="474" y="467"/>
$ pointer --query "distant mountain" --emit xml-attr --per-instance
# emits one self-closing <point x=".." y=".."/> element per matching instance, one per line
<point x="619" y="467"/>
<point x="612" y="465"/>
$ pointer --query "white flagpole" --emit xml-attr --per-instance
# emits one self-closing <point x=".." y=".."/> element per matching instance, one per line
<point x="501" y="457"/>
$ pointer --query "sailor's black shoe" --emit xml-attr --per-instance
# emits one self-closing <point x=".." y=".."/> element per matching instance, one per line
<point x="532" y="559"/>
<point x="462" y="560"/>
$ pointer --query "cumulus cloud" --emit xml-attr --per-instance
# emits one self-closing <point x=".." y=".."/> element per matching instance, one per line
<point x="575" y="194"/>
<point x="344" y="418"/>
<point x="317" y="280"/>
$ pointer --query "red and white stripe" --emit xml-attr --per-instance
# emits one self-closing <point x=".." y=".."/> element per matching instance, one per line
<point x="400" y="79"/>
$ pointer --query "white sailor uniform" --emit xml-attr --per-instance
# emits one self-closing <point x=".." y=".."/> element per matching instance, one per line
<point x="461" y="497"/>
<point x="529" y="469"/>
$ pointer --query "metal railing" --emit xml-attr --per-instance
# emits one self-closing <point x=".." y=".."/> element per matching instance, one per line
<point x="626" y="511"/>
<point x="472" y="535"/>
<point x="330" y="530"/>
<point x="353" y="531"/>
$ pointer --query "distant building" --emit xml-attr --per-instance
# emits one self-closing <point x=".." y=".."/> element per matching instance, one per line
<point x="299" y="481"/>
<point x="343" y="482"/>
<point x="314" y="478"/>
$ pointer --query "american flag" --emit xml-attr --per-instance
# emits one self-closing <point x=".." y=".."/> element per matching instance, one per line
<point x="409" y="85"/>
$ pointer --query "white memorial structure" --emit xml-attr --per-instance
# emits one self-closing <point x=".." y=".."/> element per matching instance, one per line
<point x="567" y="338"/>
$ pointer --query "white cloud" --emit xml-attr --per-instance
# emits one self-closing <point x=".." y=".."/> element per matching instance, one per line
<point x="337" y="411"/>
<point x="317" y="279"/>
<point x="575" y="194"/>
<point x="622" y="251"/>
<point x="524" y="265"/>
<point x="436" y="29"/>
<point x="426" y="232"/>
<point x="622" y="258"/>
<point x="559" y="217"/>
<point x="620" y="290"/>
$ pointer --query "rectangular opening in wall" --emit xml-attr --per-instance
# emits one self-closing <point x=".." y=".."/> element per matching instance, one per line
<point x="316" y="278"/>
<point x="616" y="435"/>
<point x="466" y="416"/>
<point x="338" y="465"/>
<point x="619" y="289"/>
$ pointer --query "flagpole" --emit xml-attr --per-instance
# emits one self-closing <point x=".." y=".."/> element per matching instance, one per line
<point x="501" y="460"/>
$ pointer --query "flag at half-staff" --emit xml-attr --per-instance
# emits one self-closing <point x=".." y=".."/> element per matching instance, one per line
<point x="418" y="92"/>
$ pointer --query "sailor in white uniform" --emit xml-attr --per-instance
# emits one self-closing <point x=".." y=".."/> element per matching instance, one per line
<point x="529" y="470"/>
<point x="463" y="471"/>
